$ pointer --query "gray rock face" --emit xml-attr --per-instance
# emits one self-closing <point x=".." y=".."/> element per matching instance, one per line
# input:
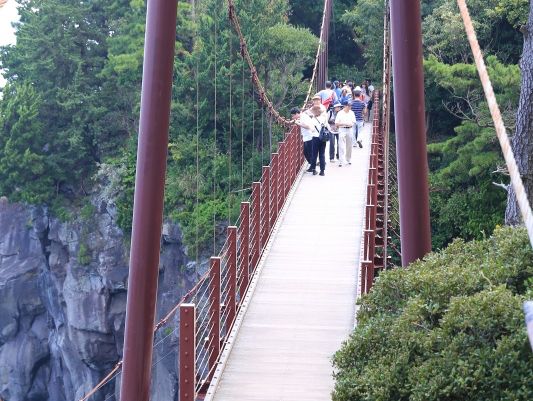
<point x="63" y="290"/>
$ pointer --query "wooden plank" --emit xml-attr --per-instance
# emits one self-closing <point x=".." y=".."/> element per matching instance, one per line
<point x="303" y="305"/>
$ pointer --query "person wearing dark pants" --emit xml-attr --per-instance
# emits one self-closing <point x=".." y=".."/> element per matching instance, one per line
<point x="333" y="144"/>
<point x="308" y="151"/>
<point x="320" y="119"/>
<point x="319" y="149"/>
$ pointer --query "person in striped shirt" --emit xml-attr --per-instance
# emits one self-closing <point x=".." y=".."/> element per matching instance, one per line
<point x="359" y="109"/>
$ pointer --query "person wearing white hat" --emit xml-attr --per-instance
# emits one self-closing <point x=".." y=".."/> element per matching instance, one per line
<point x="335" y="137"/>
<point x="317" y="101"/>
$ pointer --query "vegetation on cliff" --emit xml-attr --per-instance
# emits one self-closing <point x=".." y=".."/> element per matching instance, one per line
<point x="69" y="113"/>
<point x="448" y="328"/>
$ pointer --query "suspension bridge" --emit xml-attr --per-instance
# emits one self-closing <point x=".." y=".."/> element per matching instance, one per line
<point x="279" y="298"/>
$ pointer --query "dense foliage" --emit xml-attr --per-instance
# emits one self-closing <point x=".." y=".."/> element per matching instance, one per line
<point x="464" y="156"/>
<point x="464" y="201"/>
<point x="448" y="328"/>
<point x="69" y="114"/>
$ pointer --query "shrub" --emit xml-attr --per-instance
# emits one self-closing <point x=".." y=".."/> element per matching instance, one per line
<point x="448" y="328"/>
<point x="84" y="255"/>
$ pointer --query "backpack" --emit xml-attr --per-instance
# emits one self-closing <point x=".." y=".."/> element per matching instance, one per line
<point x="328" y="103"/>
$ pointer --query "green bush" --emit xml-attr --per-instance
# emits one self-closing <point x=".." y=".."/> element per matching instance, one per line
<point x="448" y="328"/>
<point x="84" y="255"/>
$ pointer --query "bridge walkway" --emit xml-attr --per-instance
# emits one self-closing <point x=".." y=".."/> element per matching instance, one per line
<point x="301" y="305"/>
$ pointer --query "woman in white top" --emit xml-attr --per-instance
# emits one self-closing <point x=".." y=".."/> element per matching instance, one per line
<point x="303" y="120"/>
<point x="345" y="122"/>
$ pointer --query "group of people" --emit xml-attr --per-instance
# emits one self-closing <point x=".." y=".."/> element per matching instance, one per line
<point x="343" y="111"/>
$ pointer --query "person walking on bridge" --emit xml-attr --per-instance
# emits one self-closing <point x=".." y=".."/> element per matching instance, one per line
<point x="338" y="89"/>
<point x="344" y="121"/>
<point x="371" y="101"/>
<point x="320" y="119"/>
<point x="358" y="108"/>
<point x="328" y="97"/>
<point x="334" y="131"/>
<point x="303" y="120"/>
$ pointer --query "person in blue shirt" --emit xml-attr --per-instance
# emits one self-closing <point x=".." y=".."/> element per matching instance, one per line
<point x="338" y="90"/>
<point x="328" y="96"/>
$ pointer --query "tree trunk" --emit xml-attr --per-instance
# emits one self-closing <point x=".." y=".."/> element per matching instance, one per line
<point x="522" y="142"/>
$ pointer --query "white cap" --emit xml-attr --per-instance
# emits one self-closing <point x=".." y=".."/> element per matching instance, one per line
<point x="357" y="88"/>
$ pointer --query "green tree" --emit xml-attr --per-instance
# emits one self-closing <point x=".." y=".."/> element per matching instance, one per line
<point x="280" y="52"/>
<point x="464" y="201"/>
<point x="495" y="22"/>
<point x="344" y="59"/>
<point x="24" y="152"/>
<point x="60" y="50"/>
<point x="522" y="141"/>
<point x="366" y="20"/>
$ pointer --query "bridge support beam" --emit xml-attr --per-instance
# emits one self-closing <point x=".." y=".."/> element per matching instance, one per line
<point x="148" y="203"/>
<point x="409" y="112"/>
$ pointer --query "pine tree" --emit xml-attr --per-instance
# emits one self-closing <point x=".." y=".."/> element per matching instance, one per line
<point x="24" y="153"/>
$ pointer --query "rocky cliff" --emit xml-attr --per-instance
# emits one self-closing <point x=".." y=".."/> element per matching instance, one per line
<point x="63" y="288"/>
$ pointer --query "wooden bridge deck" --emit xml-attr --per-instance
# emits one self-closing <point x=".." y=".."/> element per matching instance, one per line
<point x="301" y="307"/>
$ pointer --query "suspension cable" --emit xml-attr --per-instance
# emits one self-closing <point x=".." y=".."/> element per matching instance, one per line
<point x="505" y="144"/>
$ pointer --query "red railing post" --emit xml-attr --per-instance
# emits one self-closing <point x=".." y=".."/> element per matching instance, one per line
<point x="231" y="303"/>
<point x="288" y="140"/>
<point x="282" y="173"/>
<point x="256" y="225"/>
<point x="287" y="180"/>
<point x="214" y="314"/>
<point x="293" y="159"/>
<point x="274" y="187"/>
<point x="187" y="350"/>
<point x="300" y="147"/>
<point x="244" y="262"/>
<point x="265" y="205"/>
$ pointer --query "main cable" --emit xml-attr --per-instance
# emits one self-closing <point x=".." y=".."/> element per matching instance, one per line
<point x="263" y="98"/>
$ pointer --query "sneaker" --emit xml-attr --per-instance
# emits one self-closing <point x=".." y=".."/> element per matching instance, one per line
<point x="309" y="170"/>
<point x="340" y="164"/>
<point x="360" y="143"/>
<point x="332" y="160"/>
<point x="322" y="173"/>
<point x="349" y="163"/>
<point x="314" y="172"/>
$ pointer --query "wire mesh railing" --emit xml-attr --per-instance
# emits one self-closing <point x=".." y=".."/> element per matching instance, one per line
<point x="207" y="317"/>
